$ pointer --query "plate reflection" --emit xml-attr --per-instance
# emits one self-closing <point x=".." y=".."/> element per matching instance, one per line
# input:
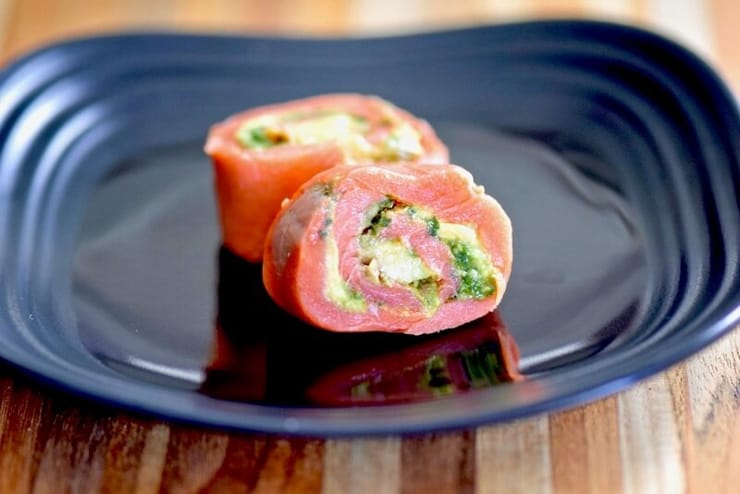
<point x="261" y="354"/>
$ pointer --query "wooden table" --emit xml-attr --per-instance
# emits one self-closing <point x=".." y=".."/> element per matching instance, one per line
<point x="676" y="432"/>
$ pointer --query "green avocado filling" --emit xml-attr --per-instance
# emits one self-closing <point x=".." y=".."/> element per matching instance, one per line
<point x="475" y="273"/>
<point x="390" y="261"/>
<point x="259" y="137"/>
<point x="378" y="216"/>
<point x="350" y="132"/>
<point x="474" y="282"/>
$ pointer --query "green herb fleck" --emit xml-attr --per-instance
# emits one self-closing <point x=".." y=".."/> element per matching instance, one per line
<point x="381" y="219"/>
<point x="359" y="119"/>
<point x="259" y="137"/>
<point x="326" y="189"/>
<point x="324" y="231"/>
<point x="432" y="226"/>
<point x="473" y="281"/>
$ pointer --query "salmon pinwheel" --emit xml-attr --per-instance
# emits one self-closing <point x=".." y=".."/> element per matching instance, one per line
<point x="399" y="248"/>
<point x="261" y="156"/>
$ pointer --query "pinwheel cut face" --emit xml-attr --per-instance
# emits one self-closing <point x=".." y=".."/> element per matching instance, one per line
<point x="408" y="258"/>
<point x="380" y="135"/>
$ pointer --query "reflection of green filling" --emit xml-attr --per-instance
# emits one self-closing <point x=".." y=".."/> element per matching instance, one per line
<point x="482" y="365"/>
<point x="361" y="390"/>
<point x="436" y="377"/>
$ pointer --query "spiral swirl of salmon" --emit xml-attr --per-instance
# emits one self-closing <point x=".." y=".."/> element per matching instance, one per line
<point x="261" y="156"/>
<point x="399" y="248"/>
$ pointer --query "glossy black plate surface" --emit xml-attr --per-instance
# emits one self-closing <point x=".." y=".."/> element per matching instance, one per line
<point x="615" y="152"/>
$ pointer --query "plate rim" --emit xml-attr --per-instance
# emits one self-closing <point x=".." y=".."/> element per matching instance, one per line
<point x="714" y="328"/>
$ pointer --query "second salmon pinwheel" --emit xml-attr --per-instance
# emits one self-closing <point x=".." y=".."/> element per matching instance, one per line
<point x="261" y="156"/>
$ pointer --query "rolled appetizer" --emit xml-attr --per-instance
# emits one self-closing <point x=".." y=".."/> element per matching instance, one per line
<point x="399" y="248"/>
<point x="261" y="156"/>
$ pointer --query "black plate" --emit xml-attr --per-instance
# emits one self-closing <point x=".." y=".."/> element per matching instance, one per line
<point x="615" y="152"/>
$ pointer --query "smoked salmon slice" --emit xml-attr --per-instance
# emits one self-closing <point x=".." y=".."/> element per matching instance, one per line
<point x="262" y="155"/>
<point x="398" y="248"/>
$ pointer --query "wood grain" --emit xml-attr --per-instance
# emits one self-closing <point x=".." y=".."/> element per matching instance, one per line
<point x="514" y="458"/>
<point x="678" y="431"/>
<point x="367" y="465"/>
<point x="439" y="463"/>
<point x="589" y="435"/>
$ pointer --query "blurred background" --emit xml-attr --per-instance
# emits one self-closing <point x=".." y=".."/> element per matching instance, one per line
<point x="710" y="27"/>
